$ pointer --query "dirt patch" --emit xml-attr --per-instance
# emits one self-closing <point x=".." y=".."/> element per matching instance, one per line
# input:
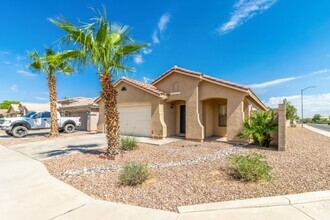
<point x="304" y="167"/>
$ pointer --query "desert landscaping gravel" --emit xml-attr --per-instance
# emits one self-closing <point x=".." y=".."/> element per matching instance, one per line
<point x="303" y="167"/>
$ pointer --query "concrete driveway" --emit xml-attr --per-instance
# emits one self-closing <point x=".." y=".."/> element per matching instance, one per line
<point x="87" y="143"/>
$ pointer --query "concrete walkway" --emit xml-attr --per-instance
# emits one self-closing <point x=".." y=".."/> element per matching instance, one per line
<point x="322" y="132"/>
<point x="90" y="143"/>
<point x="29" y="192"/>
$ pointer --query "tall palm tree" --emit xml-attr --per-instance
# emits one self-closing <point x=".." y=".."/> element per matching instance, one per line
<point x="52" y="63"/>
<point x="107" y="47"/>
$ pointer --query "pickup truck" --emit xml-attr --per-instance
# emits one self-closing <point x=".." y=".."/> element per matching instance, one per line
<point x="19" y="126"/>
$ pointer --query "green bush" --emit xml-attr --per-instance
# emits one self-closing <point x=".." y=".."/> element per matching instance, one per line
<point x="128" y="143"/>
<point x="260" y="126"/>
<point x="134" y="174"/>
<point x="249" y="168"/>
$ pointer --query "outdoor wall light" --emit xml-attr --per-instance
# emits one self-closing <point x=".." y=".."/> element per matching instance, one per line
<point x="172" y="105"/>
<point x="123" y="88"/>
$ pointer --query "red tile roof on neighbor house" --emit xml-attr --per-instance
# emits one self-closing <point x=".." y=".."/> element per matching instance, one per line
<point x="148" y="87"/>
<point x="201" y="75"/>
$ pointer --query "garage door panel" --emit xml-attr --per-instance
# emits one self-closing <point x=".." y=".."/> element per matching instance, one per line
<point x="135" y="120"/>
<point x="83" y="119"/>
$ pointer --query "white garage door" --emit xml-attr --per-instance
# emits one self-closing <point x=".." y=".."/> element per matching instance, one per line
<point x="135" y="120"/>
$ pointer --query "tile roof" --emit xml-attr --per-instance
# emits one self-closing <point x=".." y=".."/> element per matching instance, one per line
<point x="77" y="102"/>
<point x="37" y="107"/>
<point x="3" y="111"/>
<point x="142" y="85"/>
<point x="15" y="107"/>
<point x="201" y="75"/>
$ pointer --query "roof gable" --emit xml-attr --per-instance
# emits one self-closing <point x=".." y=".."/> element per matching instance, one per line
<point x="194" y="74"/>
<point x="141" y="85"/>
<point x="211" y="79"/>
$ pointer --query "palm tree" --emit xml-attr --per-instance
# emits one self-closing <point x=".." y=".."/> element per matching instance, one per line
<point x="107" y="47"/>
<point x="260" y="126"/>
<point x="52" y="63"/>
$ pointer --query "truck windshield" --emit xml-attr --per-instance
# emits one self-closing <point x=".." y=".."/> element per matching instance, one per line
<point x="29" y="115"/>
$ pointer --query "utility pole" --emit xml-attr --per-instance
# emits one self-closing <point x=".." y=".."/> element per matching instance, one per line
<point x="302" y="104"/>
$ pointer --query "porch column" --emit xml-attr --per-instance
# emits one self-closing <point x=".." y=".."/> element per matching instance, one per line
<point x="235" y="119"/>
<point x="194" y="127"/>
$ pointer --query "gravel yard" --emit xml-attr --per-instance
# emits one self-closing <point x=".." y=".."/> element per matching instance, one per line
<point x="33" y="136"/>
<point x="186" y="173"/>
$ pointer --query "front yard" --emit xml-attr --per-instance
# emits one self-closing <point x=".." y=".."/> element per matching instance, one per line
<point x="186" y="173"/>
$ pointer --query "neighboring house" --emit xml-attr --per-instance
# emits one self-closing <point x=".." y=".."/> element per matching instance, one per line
<point x="18" y="110"/>
<point x="26" y="107"/>
<point x="3" y="113"/>
<point x="86" y="108"/>
<point x="183" y="103"/>
<point x="14" y="111"/>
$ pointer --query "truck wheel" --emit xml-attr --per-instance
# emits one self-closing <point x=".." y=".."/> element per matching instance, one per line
<point x="9" y="133"/>
<point x="20" y="131"/>
<point x="69" y="128"/>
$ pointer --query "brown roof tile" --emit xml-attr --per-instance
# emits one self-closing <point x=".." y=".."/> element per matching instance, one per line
<point x="143" y="85"/>
<point x="198" y="74"/>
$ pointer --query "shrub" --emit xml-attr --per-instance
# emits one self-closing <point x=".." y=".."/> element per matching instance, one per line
<point x="128" y="143"/>
<point x="134" y="174"/>
<point x="250" y="168"/>
<point x="260" y="126"/>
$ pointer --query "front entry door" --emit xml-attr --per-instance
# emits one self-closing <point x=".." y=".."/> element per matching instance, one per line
<point x="182" y="119"/>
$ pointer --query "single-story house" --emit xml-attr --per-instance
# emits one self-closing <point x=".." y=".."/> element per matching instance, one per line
<point x="18" y="110"/>
<point x="185" y="103"/>
<point x="26" y="107"/>
<point x="3" y="113"/>
<point x="86" y="108"/>
<point x="13" y="111"/>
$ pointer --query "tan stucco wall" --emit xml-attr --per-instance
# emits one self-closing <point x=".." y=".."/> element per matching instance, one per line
<point x="188" y="88"/>
<point x="135" y="96"/>
<point x="210" y="118"/>
<point x="201" y="99"/>
<point x="235" y="116"/>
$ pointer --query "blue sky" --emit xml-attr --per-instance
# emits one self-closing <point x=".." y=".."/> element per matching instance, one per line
<point x="277" y="47"/>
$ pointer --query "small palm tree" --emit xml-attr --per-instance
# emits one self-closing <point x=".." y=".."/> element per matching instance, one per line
<point x="107" y="47"/>
<point x="260" y="126"/>
<point x="52" y="63"/>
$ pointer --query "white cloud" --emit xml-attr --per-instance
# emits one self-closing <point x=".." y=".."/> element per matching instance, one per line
<point x="284" y="80"/>
<point x="161" y="27"/>
<point x="146" y="51"/>
<point x="41" y="98"/>
<point x="243" y="10"/>
<point x="138" y="59"/>
<point x="320" y="72"/>
<point x="14" y="88"/>
<point x="163" y="21"/>
<point x="155" y="39"/>
<point x="313" y="104"/>
<point x="273" y="82"/>
<point x="26" y="73"/>
<point x="6" y="62"/>
<point x="147" y="80"/>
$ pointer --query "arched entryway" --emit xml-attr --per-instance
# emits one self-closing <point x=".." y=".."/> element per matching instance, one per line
<point x="175" y="118"/>
<point x="215" y="117"/>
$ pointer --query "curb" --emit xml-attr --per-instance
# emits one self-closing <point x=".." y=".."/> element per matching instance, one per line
<point x="258" y="202"/>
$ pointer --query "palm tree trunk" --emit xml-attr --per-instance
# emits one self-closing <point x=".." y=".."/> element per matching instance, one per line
<point x="53" y="101"/>
<point x="109" y="96"/>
